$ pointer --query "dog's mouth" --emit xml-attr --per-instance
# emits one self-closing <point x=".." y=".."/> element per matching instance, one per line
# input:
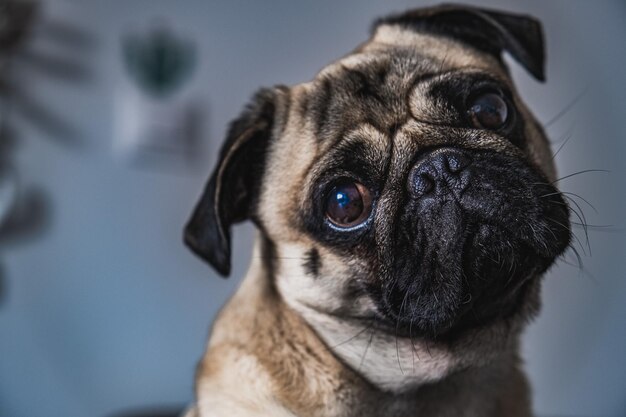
<point x="468" y="250"/>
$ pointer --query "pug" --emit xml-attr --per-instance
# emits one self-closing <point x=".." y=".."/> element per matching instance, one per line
<point x="406" y="212"/>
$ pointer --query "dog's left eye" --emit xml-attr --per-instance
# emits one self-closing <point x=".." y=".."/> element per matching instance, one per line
<point x="488" y="110"/>
<point x="348" y="204"/>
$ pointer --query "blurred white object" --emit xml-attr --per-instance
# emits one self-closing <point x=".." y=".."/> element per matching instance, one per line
<point x="157" y="120"/>
<point x="155" y="129"/>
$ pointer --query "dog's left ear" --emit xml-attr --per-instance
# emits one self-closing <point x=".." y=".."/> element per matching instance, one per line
<point x="487" y="30"/>
<point x="232" y="191"/>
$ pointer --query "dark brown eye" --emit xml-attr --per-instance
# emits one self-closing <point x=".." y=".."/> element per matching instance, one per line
<point x="348" y="204"/>
<point x="489" y="111"/>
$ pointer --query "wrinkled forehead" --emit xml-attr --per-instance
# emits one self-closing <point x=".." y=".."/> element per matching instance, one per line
<point x="453" y="53"/>
<point x="376" y="83"/>
<point x="368" y="112"/>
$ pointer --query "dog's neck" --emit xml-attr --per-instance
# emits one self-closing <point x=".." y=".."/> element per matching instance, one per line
<point x="389" y="362"/>
<point x="394" y="364"/>
<point x="315" y="358"/>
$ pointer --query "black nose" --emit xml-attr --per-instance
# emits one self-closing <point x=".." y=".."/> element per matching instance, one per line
<point x="440" y="172"/>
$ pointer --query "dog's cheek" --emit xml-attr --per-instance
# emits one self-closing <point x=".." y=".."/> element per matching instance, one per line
<point x="284" y="192"/>
<point x="310" y="276"/>
<point x="537" y="143"/>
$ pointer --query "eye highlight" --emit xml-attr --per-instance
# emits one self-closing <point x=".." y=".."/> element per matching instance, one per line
<point x="348" y="203"/>
<point x="488" y="110"/>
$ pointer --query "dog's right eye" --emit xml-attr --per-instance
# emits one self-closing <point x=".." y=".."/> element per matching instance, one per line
<point x="489" y="111"/>
<point x="348" y="204"/>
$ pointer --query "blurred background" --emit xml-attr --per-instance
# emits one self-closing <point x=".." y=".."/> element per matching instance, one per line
<point x="111" y="116"/>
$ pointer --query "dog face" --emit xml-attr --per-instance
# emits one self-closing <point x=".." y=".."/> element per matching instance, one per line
<point x="407" y="186"/>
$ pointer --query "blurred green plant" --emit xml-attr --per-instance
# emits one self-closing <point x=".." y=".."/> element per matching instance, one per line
<point x="159" y="62"/>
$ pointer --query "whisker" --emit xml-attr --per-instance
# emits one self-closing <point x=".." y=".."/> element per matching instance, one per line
<point x="581" y="217"/>
<point x="578" y="257"/>
<point x="568" y="193"/>
<point x="578" y="213"/>
<point x="280" y="257"/>
<point x="567" y="139"/>
<point x="414" y="352"/>
<point x="369" y="342"/>
<point x="566" y="109"/>
<point x="585" y="171"/>
<point x="363" y="330"/>
<point x="406" y="294"/>
<point x="583" y="221"/>
<point x="597" y="226"/>
<point x="573" y="234"/>
<point x="583" y="271"/>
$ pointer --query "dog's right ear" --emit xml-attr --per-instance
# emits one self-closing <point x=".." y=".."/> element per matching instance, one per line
<point x="233" y="189"/>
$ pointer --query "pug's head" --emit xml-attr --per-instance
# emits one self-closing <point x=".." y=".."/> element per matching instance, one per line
<point x="406" y="184"/>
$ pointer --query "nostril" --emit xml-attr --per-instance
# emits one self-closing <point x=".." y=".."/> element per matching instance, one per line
<point x="423" y="184"/>
<point x="457" y="162"/>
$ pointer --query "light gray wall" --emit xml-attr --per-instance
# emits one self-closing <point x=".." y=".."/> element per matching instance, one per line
<point x="108" y="311"/>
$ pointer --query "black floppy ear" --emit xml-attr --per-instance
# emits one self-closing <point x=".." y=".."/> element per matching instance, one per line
<point x="232" y="191"/>
<point x="487" y="30"/>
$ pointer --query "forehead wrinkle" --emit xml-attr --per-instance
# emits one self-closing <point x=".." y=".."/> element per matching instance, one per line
<point x="349" y="61"/>
<point x="456" y="53"/>
<point x="470" y="70"/>
<point x="418" y="135"/>
<point x="379" y="140"/>
<point x="365" y="88"/>
<point x="406" y="55"/>
<point x="376" y="143"/>
<point x="387" y="205"/>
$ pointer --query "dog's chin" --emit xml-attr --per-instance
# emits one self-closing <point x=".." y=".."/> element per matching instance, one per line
<point x="451" y="301"/>
<point x="446" y="323"/>
<point x="482" y="278"/>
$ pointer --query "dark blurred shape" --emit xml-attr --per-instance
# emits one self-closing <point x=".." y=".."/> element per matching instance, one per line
<point x="158" y="61"/>
<point x="8" y="137"/>
<point x="24" y="213"/>
<point x="3" y="290"/>
<point x="20" y="21"/>
<point x="25" y="218"/>
<point x="169" y="411"/>
<point x="53" y="66"/>
<point x="16" y="19"/>
<point x="8" y="191"/>
<point x="20" y="219"/>
<point x="29" y="218"/>
<point x="41" y="117"/>
<point x="65" y="34"/>
<point x="38" y="115"/>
